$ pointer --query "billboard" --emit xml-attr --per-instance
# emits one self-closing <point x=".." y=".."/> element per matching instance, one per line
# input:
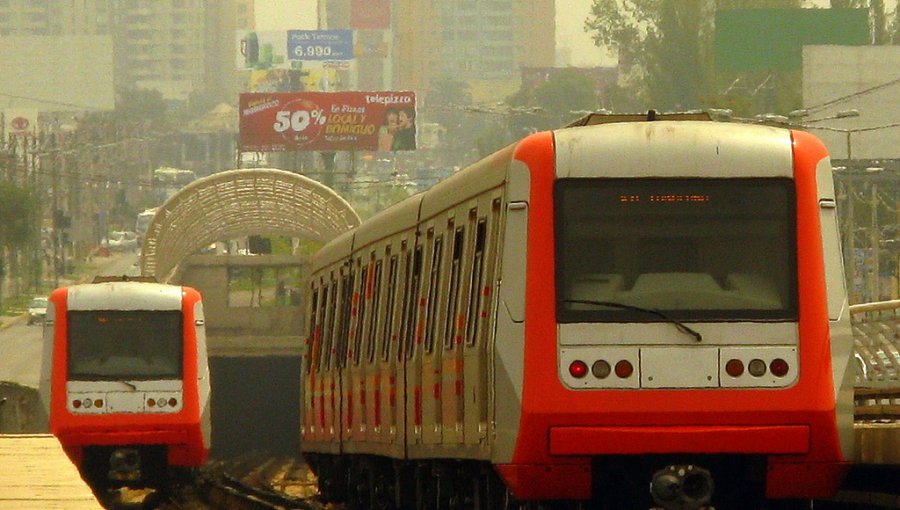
<point x="286" y="49"/>
<point x="320" y="44"/>
<point x="773" y="39"/>
<point x="328" y="121"/>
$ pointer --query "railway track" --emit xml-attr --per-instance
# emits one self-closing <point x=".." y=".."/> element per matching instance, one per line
<point x="250" y="482"/>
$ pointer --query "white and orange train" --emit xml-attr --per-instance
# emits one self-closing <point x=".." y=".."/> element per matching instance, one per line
<point x="125" y="381"/>
<point x="587" y="313"/>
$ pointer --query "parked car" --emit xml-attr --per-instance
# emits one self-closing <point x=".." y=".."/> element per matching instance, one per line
<point x="37" y="310"/>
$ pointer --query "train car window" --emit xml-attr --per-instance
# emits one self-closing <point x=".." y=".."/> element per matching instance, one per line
<point x="108" y="345"/>
<point x="412" y="296"/>
<point x="434" y="282"/>
<point x="697" y="249"/>
<point x="362" y="299"/>
<point x="473" y="317"/>
<point x="375" y="315"/>
<point x="453" y="297"/>
<point x="343" y="334"/>
<point x="388" y="320"/>
<point x="312" y="339"/>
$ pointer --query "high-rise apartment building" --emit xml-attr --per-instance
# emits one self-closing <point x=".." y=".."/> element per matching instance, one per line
<point x="484" y="43"/>
<point x="178" y="47"/>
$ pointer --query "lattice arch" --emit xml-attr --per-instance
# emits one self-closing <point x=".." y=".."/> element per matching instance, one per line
<point x="237" y="203"/>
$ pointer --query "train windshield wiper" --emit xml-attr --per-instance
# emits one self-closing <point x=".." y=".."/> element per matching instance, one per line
<point x="684" y="328"/>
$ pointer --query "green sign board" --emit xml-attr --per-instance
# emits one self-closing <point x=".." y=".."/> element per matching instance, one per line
<point x="773" y="39"/>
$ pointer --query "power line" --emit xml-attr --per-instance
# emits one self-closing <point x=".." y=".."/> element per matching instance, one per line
<point x="860" y="93"/>
<point x="50" y="101"/>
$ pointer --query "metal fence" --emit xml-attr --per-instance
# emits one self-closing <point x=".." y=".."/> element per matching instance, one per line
<point x="876" y="338"/>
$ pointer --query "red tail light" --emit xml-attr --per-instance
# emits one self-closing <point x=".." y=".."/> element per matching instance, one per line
<point x="779" y="367"/>
<point x="578" y="369"/>
<point x="734" y="367"/>
<point x="172" y="402"/>
<point x="624" y="369"/>
<point x="76" y="404"/>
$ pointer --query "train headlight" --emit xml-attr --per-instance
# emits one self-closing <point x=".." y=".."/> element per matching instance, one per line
<point x="161" y="402"/>
<point x="624" y="369"/>
<point x="779" y="367"/>
<point x="601" y="369"/>
<point x="88" y="403"/>
<point x="578" y="369"/>
<point x="757" y="367"/>
<point x="151" y="402"/>
<point x="98" y="403"/>
<point x="734" y="367"/>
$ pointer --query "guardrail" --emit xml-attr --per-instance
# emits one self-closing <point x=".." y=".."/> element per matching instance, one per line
<point x="876" y="339"/>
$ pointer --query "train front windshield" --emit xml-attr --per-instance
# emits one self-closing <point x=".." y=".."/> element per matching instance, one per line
<point x="129" y="345"/>
<point x="696" y="249"/>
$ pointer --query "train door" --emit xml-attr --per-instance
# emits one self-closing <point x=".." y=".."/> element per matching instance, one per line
<point x="313" y="347"/>
<point x="337" y="356"/>
<point x="458" y="266"/>
<point x="373" y="318"/>
<point x="389" y="346"/>
<point x="431" y="326"/>
<point x="478" y="326"/>
<point x="356" y="366"/>
<point x="414" y="330"/>
<point x="349" y="407"/>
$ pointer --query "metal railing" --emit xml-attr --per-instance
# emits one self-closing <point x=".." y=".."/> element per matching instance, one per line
<point x="876" y="349"/>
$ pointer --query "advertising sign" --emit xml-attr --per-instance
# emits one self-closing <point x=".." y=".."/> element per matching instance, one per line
<point x="328" y="121"/>
<point x="320" y="44"/>
<point x="262" y="50"/>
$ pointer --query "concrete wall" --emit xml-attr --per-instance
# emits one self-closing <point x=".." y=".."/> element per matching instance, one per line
<point x="241" y="330"/>
<point x="834" y="72"/>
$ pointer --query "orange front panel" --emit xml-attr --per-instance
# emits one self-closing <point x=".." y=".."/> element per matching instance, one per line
<point x="678" y="439"/>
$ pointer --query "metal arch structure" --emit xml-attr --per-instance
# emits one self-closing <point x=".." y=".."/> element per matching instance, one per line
<point x="237" y="203"/>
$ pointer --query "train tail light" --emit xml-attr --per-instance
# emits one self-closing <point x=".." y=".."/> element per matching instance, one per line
<point x="734" y="367"/>
<point x="779" y="367"/>
<point x="757" y="367"/>
<point x="76" y="404"/>
<point x="173" y="402"/>
<point x="624" y="369"/>
<point x="578" y="369"/>
<point x="601" y="369"/>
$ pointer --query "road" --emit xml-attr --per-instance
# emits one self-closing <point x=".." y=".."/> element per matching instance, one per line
<point x="21" y="345"/>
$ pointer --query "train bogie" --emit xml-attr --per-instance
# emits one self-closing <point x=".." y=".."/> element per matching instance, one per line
<point x="588" y="304"/>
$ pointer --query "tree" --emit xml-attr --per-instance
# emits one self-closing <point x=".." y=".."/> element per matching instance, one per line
<point x="665" y="50"/>
<point x="18" y="223"/>
<point x="448" y="91"/>
<point x="566" y="91"/>
<point x="135" y="104"/>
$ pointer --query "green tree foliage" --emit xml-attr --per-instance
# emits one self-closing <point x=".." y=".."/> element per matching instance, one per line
<point x="665" y="50"/>
<point x="18" y="217"/>
<point x="135" y="104"/>
<point x="19" y="213"/>
<point x="448" y="91"/>
<point x="566" y="91"/>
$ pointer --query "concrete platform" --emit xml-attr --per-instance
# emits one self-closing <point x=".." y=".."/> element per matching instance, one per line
<point x="35" y="474"/>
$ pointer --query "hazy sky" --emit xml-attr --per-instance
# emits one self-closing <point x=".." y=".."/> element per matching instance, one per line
<point x="570" y="16"/>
